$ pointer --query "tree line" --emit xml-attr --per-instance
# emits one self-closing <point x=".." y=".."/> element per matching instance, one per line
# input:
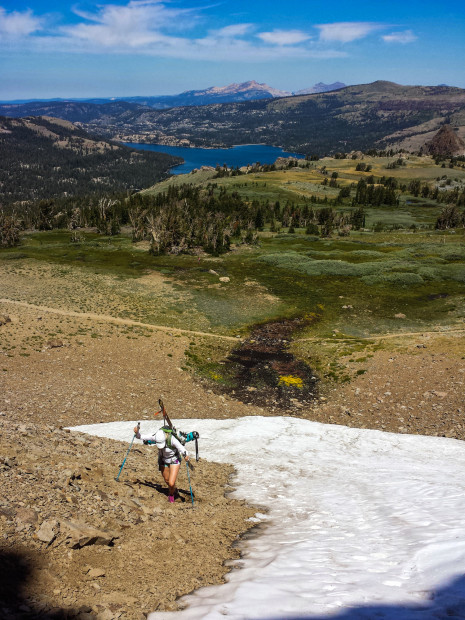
<point x="182" y="219"/>
<point x="188" y="218"/>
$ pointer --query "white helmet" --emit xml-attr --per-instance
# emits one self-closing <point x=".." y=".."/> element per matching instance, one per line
<point x="160" y="439"/>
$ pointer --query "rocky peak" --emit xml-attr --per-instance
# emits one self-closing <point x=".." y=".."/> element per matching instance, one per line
<point x="446" y="142"/>
<point x="244" y="87"/>
<point x="321" y="88"/>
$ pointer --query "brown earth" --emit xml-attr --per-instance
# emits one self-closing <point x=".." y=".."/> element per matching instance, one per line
<point x="59" y="369"/>
<point x="146" y="553"/>
<point x="49" y="475"/>
<point x="413" y="384"/>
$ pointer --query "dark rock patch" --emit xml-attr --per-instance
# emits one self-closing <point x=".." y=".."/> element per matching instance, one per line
<point x="263" y="372"/>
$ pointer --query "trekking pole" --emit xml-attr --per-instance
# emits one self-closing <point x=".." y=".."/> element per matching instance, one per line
<point x="189" y="478"/>
<point x="129" y="450"/>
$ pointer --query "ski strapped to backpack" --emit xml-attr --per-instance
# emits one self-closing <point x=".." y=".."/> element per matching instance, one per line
<point x="170" y="431"/>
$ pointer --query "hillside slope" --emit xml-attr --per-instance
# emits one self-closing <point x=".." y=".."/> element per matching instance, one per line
<point x="73" y="111"/>
<point x="446" y="143"/>
<point x="46" y="157"/>
<point x="105" y="372"/>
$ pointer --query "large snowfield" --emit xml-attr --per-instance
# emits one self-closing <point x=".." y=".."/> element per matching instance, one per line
<point x="359" y="523"/>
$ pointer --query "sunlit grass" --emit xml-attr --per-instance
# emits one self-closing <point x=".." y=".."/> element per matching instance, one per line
<point x="374" y="275"/>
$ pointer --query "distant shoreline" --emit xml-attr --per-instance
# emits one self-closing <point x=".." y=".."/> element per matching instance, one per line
<point x="236" y="156"/>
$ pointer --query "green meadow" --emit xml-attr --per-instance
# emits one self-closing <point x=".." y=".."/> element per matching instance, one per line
<point x="376" y="276"/>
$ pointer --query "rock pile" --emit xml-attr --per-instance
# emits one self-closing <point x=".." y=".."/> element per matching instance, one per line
<point x="4" y="319"/>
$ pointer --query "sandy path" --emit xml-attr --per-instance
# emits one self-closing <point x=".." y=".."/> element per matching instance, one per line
<point x="390" y="335"/>
<point x="113" y="319"/>
<point x="176" y="330"/>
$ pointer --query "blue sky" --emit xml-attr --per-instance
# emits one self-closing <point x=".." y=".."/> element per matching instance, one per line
<point x="153" y="47"/>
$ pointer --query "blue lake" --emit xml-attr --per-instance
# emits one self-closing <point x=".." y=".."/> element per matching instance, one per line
<point x="235" y="157"/>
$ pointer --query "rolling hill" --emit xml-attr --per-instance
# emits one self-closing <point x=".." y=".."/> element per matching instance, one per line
<point x="378" y="115"/>
<point x="73" y="111"/>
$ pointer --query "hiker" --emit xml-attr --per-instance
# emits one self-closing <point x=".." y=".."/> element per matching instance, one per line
<point x="170" y="453"/>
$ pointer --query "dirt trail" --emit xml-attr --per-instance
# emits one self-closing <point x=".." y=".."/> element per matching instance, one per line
<point x="187" y="332"/>
<point x="436" y="332"/>
<point x="113" y="319"/>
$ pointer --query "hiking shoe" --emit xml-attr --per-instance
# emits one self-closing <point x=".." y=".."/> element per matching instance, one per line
<point x="171" y="499"/>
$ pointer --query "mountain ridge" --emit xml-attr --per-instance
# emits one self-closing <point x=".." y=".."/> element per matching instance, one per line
<point x="377" y="115"/>
<point x="321" y="87"/>
<point x="243" y="91"/>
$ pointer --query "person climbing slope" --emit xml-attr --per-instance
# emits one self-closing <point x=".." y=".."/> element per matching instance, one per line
<point x="170" y="453"/>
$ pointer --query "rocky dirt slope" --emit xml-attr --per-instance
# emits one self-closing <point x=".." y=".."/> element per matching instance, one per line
<point x="413" y="384"/>
<point x="57" y="487"/>
<point x="89" y="546"/>
<point x="446" y="143"/>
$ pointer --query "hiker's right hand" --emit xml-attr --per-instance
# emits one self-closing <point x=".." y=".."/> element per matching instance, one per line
<point x="136" y="430"/>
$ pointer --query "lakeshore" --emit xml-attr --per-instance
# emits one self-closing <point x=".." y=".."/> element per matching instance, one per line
<point x="235" y="157"/>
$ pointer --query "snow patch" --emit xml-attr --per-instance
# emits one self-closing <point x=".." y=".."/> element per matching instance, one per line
<point x="361" y="523"/>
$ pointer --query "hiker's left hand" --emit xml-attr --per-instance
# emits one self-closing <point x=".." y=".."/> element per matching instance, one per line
<point x="186" y="458"/>
<point x="136" y="430"/>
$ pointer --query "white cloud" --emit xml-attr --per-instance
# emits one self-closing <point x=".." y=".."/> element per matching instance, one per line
<point x="284" y="37"/>
<point x="235" y="30"/>
<point x="345" y="32"/>
<point x="404" y="37"/>
<point x="157" y="28"/>
<point x="18" y="24"/>
<point x="135" y="25"/>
